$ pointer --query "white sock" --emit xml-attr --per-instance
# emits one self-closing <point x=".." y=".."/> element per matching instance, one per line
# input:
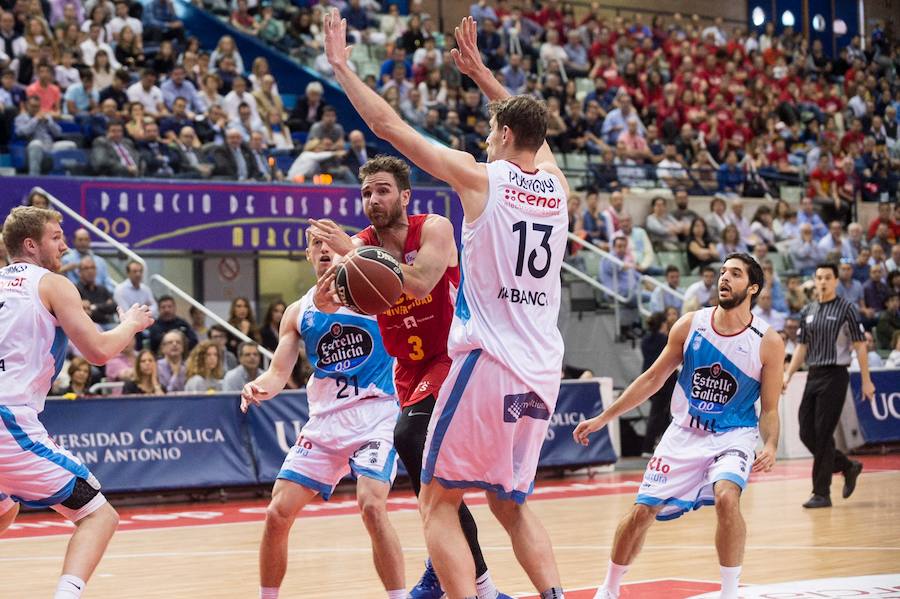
<point x="398" y="594"/>
<point x="69" y="587"/>
<point x="614" y="575"/>
<point x="730" y="578"/>
<point x="268" y="592"/>
<point x="485" y="586"/>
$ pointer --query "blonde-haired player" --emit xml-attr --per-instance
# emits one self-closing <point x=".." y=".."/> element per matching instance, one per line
<point x="39" y="310"/>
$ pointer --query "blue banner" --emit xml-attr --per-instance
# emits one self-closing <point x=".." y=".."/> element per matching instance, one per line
<point x="213" y="215"/>
<point x="879" y="420"/>
<point x="274" y="429"/>
<point x="578" y="400"/>
<point x="151" y="443"/>
<point x="145" y="443"/>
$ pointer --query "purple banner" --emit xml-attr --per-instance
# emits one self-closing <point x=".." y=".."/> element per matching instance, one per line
<point x="166" y="215"/>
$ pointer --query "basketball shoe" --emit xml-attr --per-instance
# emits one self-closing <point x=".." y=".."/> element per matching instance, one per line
<point x="428" y="587"/>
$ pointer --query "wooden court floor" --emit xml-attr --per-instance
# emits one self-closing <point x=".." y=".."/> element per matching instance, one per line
<point x="330" y="554"/>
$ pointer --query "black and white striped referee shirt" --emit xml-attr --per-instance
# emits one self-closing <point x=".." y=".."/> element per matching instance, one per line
<point x="829" y="331"/>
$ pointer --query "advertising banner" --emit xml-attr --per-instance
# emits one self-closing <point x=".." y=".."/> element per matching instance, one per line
<point x="213" y="215"/>
<point x="879" y="420"/>
<point x="274" y="428"/>
<point x="577" y="401"/>
<point x="149" y="443"/>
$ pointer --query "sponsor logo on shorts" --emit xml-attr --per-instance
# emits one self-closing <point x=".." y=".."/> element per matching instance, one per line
<point x="372" y="447"/>
<point x="741" y="455"/>
<point x="657" y="471"/>
<point x="524" y="405"/>
<point x="343" y="348"/>
<point x="423" y="386"/>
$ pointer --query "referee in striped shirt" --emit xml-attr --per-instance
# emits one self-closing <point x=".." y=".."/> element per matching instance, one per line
<point x="829" y="329"/>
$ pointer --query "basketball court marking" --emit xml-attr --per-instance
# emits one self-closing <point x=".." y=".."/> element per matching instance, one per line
<point x="671" y="588"/>
<point x="249" y="512"/>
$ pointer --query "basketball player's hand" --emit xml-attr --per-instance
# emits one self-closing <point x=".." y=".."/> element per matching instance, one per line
<point x="326" y="298"/>
<point x="765" y="459"/>
<point x="137" y="315"/>
<point x="586" y="427"/>
<point x="784" y="385"/>
<point x="466" y="56"/>
<point x="336" y="49"/>
<point x="253" y="394"/>
<point x="332" y="235"/>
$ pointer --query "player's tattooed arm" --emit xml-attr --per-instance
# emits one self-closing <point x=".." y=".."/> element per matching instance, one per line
<point x="643" y="386"/>
<point x="432" y="259"/>
<point x="272" y="381"/>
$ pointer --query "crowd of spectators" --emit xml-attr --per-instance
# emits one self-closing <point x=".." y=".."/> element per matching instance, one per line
<point x="678" y="241"/>
<point x="673" y="101"/>
<point x="670" y="101"/>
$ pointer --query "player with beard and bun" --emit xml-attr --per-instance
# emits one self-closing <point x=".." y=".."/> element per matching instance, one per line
<point x="705" y="457"/>
<point x="415" y="329"/>
<point x="493" y="410"/>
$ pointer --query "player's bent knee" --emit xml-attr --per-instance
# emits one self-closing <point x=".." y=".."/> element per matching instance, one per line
<point x="728" y="496"/>
<point x="8" y="516"/>
<point x="643" y="515"/>
<point x="372" y="509"/>
<point x="506" y="511"/>
<point x="85" y="501"/>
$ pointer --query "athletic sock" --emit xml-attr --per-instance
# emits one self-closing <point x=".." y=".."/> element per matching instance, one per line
<point x="730" y="578"/>
<point x="398" y="594"/>
<point x="268" y="592"/>
<point x="485" y="587"/>
<point x="554" y="593"/>
<point x="614" y="575"/>
<point x="69" y="587"/>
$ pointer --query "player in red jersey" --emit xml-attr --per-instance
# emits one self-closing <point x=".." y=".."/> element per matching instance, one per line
<point x="416" y="328"/>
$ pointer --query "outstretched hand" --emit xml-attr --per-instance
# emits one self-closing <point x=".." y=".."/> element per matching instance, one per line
<point x="336" y="49"/>
<point x="466" y="55"/>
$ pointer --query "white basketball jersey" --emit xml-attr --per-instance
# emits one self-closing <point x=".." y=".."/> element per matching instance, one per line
<point x="32" y="345"/>
<point x="508" y="299"/>
<point x="719" y="382"/>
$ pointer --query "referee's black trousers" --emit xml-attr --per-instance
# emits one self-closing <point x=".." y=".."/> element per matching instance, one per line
<point x="820" y="412"/>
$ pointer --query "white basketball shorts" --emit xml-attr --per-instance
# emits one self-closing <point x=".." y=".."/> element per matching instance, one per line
<point x="357" y="439"/>
<point x="687" y="463"/>
<point x="486" y="430"/>
<point x="35" y="471"/>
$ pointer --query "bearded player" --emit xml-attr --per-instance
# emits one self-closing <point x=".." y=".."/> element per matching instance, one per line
<point x="415" y="329"/>
<point x="730" y="360"/>
<point x="493" y="410"/>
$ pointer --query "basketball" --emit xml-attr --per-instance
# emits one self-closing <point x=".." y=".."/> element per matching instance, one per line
<point x="369" y="281"/>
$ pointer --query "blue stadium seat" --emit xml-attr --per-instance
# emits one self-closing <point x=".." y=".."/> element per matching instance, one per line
<point x="17" y="154"/>
<point x="299" y="137"/>
<point x="70" y="162"/>
<point x="290" y="100"/>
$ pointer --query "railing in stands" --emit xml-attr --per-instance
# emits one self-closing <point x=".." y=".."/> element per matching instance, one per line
<point x="635" y="292"/>
<point x="62" y="207"/>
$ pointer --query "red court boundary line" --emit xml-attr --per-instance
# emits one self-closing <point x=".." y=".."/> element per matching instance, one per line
<point x="152" y="517"/>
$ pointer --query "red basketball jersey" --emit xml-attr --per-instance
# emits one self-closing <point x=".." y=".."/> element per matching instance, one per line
<point x="414" y="330"/>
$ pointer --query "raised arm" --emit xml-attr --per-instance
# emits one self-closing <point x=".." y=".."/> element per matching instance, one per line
<point x="772" y="353"/>
<point x="459" y="169"/>
<point x="468" y="61"/>
<point x="272" y="381"/>
<point x="643" y="386"/>
<point x="61" y="298"/>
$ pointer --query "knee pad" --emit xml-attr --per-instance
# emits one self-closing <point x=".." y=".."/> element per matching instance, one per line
<point x="82" y="494"/>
